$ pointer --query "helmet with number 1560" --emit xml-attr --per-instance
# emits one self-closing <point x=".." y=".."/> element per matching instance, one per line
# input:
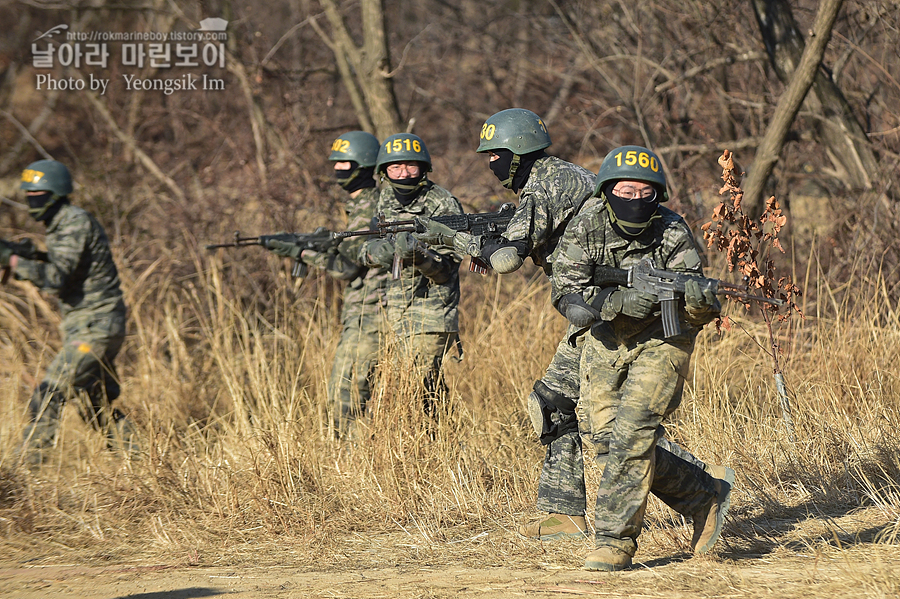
<point x="635" y="163"/>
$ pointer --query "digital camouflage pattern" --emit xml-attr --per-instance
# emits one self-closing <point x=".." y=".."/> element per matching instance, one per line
<point x="416" y="304"/>
<point x="80" y="271"/>
<point x="423" y="314"/>
<point x="554" y="193"/>
<point x="361" y="314"/>
<point x="632" y="378"/>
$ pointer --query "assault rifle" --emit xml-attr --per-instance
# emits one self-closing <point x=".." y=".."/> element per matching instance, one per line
<point x="320" y="240"/>
<point x="488" y="224"/>
<point x="645" y="277"/>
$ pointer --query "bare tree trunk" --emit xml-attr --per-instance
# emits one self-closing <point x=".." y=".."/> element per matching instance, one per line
<point x="838" y="130"/>
<point x="365" y="69"/>
<point x="801" y="80"/>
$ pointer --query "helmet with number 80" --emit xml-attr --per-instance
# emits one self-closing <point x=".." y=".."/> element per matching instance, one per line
<point x="635" y="163"/>
<point x="355" y="146"/>
<point x="402" y="147"/>
<point x="515" y="129"/>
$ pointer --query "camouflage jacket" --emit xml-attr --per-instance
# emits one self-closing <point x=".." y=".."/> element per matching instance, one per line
<point x="365" y="290"/>
<point x="415" y="303"/>
<point x="79" y="267"/>
<point x="555" y="191"/>
<point x="590" y="240"/>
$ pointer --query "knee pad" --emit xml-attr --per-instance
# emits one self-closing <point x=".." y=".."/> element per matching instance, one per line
<point x="542" y="403"/>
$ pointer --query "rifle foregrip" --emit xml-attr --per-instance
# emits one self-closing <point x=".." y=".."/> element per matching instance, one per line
<point x="606" y="276"/>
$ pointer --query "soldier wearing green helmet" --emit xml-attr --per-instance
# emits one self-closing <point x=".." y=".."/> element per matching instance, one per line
<point x="632" y="376"/>
<point x="423" y="301"/>
<point x="77" y="268"/>
<point x="551" y="192"/>
<point x="353" y="155"/>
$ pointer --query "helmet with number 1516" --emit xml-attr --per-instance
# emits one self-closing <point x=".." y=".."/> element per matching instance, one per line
<point x="402" y="147"/>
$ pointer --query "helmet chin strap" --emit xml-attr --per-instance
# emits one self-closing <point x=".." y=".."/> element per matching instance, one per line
<point x="513" y="167"/>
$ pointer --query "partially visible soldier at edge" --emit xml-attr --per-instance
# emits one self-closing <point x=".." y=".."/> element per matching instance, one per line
<point x="632" y="375"/>
<point x="551" y="192"/>
<point x="77" y="268"/>
<point x="353" y="154"/>
<point x="423" y="302"/>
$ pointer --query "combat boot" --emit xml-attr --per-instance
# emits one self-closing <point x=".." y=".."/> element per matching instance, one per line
<point x="708" y="522"/>
<point x="607" y="559"/>
<point x="555" y="526"/>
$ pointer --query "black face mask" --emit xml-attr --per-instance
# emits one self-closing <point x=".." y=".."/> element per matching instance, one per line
<point x="39" y="204"/>
<point x="355" y="178"/>
<point x="406" y="190"/>
<point x="630" y="217"/>
<point x="513" y="170"/>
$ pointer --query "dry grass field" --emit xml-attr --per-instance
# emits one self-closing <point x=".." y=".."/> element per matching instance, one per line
<point x="241" y="489"/>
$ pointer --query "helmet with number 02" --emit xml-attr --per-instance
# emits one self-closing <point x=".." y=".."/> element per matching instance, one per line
<point x="515" y="129"/>
<point x="402" y="147"/>
<point x="360" y="147"/>
<point x="635" y="163"/>
<point x="47" y="175"/>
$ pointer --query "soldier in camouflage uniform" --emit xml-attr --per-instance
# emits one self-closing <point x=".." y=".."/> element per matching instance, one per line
<point x="551" y="192"/>
<point x="423" y="299"/>
<point x="632" y="376"/>
<point x="78" y="268"/>
<point x="353" y="155"/>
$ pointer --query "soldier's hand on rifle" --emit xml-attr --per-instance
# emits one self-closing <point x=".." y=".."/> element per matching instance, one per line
<point x="632" y="302"/>
<point x="432" y="232"/>
<point x="379" y="252"/>
<point x="699" y="301"/>
<point x="282" y="248"/>
<point x="405" y="245"/>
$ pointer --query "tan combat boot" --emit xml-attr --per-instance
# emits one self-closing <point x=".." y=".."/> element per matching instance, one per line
<point x="709" y="520"/>
<point x="555" y="526"/>
<point x="607" y="559"/>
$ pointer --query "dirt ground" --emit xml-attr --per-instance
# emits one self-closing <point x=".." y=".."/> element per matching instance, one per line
<point x="801" y="561"/>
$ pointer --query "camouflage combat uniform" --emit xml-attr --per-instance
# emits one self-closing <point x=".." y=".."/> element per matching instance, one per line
<point x="631" y="376"/>
<point x="423" y="314"/>
<point x="79" y="269"/>
<point x="554" y="193"/>
<point x="361" y="314"/>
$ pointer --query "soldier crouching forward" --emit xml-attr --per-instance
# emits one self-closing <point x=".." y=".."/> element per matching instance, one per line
<point x="78" y="268"/>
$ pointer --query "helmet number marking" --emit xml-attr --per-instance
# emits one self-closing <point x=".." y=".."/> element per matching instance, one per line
<point x="641" y="159"/>
<point x="412" y="145"/>
<point x="487" y="131"/>
<point x="340" y="145"/>
<point x="31" y="176"/>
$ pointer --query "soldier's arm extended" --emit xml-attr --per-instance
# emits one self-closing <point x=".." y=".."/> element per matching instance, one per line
<point x="66" y="249"/>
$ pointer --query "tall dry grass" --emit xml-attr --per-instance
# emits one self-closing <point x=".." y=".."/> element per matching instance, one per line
<point x="226" y="381"/>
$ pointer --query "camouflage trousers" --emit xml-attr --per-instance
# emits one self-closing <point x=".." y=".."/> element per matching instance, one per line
<point x="83" y="370"/>
<point x="353" y="367"/>
<point x="627" y="392"/>
<point x="561" y="488"/>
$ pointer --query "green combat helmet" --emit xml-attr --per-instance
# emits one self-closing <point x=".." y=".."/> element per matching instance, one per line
<point x="46" y="175"/>
<point x="402" y="147"/>
<point x="632" y="162"/>
<point x="355" y="146"/>
<point x="515" y="129"/>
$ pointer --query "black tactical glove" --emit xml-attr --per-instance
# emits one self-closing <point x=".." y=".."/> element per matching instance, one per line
<point x="578" y="312"/>
<point x="632" y="302"/>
